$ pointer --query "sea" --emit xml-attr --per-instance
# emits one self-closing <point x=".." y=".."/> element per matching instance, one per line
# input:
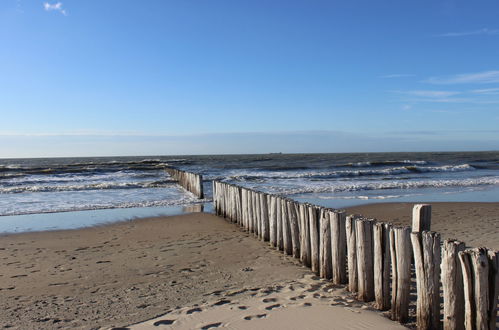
<point x="65" y="193"/>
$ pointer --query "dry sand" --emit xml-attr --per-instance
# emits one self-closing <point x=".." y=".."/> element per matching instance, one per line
<point x="199" y="268"/>
<point x="476" y="224"/>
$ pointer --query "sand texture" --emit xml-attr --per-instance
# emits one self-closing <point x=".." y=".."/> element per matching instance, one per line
<point x="308" y="303"/>
<point x="128" y="272"/>
<point x="192" y="272"/>
<point x="476" y="224"/>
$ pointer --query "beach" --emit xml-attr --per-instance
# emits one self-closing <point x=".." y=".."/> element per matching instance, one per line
<point x="130" y="272"/>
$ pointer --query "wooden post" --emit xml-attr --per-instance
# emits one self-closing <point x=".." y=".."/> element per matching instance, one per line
<point x="286" y="228"/>
<point x="338" y="246"/>
<point x="325" y="268"/>
<point x="305" y="254"/>
<point x="273" y="221"/>
<point x="426" y="247"/>
<point x="400" y="251"/>
<point x="452" y="285"/>
<point x="280" y="238"/>
<point x="381" y="234"/>
<point x="258" y="214"/>
<point x="476" y="276"/>
<point x="295" y="231"/>
<point x="493" y="287"/>
<point x="421" y="217"/>
<point x="314" y="238"/>
<point x="350" y="227"/>
<point x="365" y="259"/>
<point x="265" y="218"/>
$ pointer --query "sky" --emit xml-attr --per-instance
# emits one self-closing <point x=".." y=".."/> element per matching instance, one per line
<point x="160" y="77"/>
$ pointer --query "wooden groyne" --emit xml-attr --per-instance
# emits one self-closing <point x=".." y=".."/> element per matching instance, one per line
<point x="190" y="181"/>
<point x="374" y="258"/>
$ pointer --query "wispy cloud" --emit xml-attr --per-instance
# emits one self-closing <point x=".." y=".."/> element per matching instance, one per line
<point x="486" y="91"/>
<point x="483" y="31"/>
<point x="55" y="7"/>
<point x="397" y="75"/>
<point x="429" y="93"/>
<point x="485" y="77"/>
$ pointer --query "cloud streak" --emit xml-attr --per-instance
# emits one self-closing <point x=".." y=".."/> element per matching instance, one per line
<point x="484" y="31"/>
<point x="55" y="7"/>
<point x="397" y="75"/>
<point x="486" y="91"/>
<point x="430" y="93"/>
<point x="485" y="77"/>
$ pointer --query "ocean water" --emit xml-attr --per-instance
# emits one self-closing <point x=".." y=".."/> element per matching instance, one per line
<point x="39" y="186"/>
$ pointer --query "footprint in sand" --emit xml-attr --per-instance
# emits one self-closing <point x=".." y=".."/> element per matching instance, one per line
<point x="258" y="316"/>
<point x="194" y="310"/>
<point x="271" y="307"/>
<point x="266" y="300"/>
<point x="211" y="325"/>
<point x="242" y="307"/>
<point x="163" y="322"/>
<point x="221" y="302"/>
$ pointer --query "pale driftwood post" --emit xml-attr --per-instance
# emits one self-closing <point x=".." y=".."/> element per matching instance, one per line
<point x="273" y="221"/>
<point x="286" y="228"/>
<point x="325" y="246"/>
<point x="338" y="246"/>
<point x="314" y="238"/>
<point x="493" y="287"/>
<point x="426" y="248"/>
<point x="239" y="205"/>
<point x="400" y="251"/>
<point x="258" y="214"/>
<point x="365" y="259"/>
<point x="381" y="234"/>
<point x="452" y="285"/>
<point x="421" y="217"/>
<point x="477" y="288"/>
<point x="350" y="228"/>
<point x="305" y="254"/>
<point x="280" y="242"/>
<point x="250" y="211"/>
<point x="265" y="218"/>
<point x="295" y="231"/>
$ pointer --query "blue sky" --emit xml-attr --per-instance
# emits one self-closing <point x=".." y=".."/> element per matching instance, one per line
<point x="116" y="77"/>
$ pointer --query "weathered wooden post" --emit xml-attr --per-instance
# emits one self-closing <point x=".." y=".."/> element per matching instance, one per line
<point x="493" y="287"/>
<point x="295" y="231"/>
<point x="452" y="285"/>
<point x="400" y="251"/>
<point x="280" y="238"/>
<point x="480" y="291"/>
<point x="338" y="246"/>
<point x="325" y="270"/>
<point x="273" y="221"/>
<point x="265" y="218"/>
<point x="421" y="218"/>
<point x="286" y="228"/>
<point x="381" y="234"/>
<point x="305" y="253"/>
<point x="350" y="228"/>
<point x="365" y="259"/>
<point x="314" y="238"/>
<point x="426" y="248"/>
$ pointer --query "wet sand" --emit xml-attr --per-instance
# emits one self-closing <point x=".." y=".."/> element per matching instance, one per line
<point x="196" y="268"/>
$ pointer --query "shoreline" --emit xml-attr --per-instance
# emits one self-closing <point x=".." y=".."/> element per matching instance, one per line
<point x="128" y="272"/>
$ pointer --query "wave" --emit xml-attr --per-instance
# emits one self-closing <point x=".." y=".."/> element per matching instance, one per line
<point x="84" y="187"/>
<point x="259" y="176"/>
<point x="187" y="200"/>
<point x="385" y="185"/>
<point x="386" y="163"/>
